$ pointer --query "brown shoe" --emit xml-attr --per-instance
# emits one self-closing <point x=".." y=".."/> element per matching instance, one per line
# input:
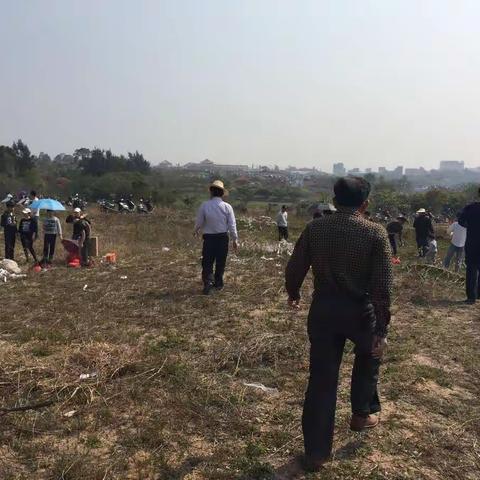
<point x="359" y="423"/>
<point x="314" y="464"/>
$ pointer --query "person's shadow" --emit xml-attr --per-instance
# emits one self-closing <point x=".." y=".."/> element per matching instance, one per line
<point x="293" y="469"/>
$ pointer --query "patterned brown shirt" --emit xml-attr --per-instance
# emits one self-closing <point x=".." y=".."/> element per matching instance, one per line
<point x="350" y="256"/>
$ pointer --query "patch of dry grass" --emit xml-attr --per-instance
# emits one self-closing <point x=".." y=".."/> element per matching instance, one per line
<point x="168" y="398"/>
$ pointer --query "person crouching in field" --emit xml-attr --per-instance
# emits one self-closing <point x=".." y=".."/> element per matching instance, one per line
<point x="350" y="258"/>
<point x="9" y="224"/>
<point x="28" y="230"/>
<point x="282" y="224"/>
<point x="216" y="220"/>
<point x="52" y="228"/>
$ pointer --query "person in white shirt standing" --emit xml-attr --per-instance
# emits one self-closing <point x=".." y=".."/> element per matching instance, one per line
<point x="282" y="224"/>
<point x="216" y="220"/>
<point x="457" y="247"/>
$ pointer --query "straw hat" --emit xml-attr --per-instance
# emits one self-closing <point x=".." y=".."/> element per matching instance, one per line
<point x="219" y="184"/>
<point x="25" y="211"/>
<point x="421" y="210"/>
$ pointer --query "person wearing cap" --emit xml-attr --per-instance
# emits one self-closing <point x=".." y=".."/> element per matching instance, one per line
<point x="9" y="223"/>
<point x="28" y="231"/>
<point x="424" y="232"/>
<point x="282" y="223"/>
<point x="81" y="234"/>
<point x="395" y="230"/>
<point x="216" y="220"/>
<point x="52" y="228"/>
<point x="350" y="259"/>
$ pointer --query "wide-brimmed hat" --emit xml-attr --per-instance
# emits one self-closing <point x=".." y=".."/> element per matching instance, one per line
<point x="219" y="184"/>
<point x="421" y="210"/>
<point x="77" y="210"/>
<point x="26" y="211"/>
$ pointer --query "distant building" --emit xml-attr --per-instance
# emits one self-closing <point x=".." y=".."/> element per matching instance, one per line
<point x="415" y="172"/>
<point x="452" y="166"/>
<point x="165" y="164"/>
<point x="354" y="171"/>
<point x="339" y="169"/>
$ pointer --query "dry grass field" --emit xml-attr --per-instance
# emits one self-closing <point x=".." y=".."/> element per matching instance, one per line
<point x="167" y="398"/>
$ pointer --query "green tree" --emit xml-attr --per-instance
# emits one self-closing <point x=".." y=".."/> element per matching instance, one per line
<point x="24" y="160"/>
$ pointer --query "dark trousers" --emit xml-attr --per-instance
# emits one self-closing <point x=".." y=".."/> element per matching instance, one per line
<point x="282" y="233"/>
<point x="9" y="243"/>
<point x="49" y="242"/>
<point x="472" y="281"/>
<point x="331" y="321"/>
<point x="393" y="243"/>
<point x="422" y="244"/>
<point x="27" y="244"/>
<point x="215" y="251"/>
<point x="84" y="252"/>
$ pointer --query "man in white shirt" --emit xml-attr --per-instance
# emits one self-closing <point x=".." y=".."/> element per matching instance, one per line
<point x="459" y="237"/>
<point x="216" y="220"/>
<point x="282" y="223"/>
<point x="35" y="211"/>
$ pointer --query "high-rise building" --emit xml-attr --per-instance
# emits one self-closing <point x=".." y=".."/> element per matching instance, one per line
<point x="339" y="169"/>
<point x="452" y="166"/>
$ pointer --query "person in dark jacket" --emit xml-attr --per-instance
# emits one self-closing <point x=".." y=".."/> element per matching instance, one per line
<point x="470" y="219"/>
<point x="28" y="231"/>
<point x="395" y="232"/>
<point x="9" y="225"/>
<point x="424" y="231"/>
<point x="81" y="233"/>
<point x="350" y="259"/>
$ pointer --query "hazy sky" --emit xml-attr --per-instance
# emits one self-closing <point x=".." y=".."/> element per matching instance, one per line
<point x="307" y="83"/>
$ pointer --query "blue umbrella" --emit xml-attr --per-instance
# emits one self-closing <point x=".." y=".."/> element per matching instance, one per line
<point x="47" y="204"/>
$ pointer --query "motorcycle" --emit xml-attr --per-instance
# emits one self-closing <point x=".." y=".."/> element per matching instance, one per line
<point x="126" y="206"/>
<point x="144" y="206"/>
<point x="107" y="205"/>
<point x="76" y="201"/>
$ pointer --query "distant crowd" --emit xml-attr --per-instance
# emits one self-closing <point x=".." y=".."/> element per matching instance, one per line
<point x="28" y="229"/>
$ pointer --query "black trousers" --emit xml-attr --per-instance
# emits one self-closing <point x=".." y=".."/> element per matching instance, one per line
<point x="472" y="280"/>
<point x="393" y="242"/>
<point x="422" y="245"/>
<point x="330" y="323"/>
<point x="10" y="237"/>
<point x="282" y="233"/>
<point x="27" y="244"/>
<point x="49" y="242"/>
<point x="215" y="251"/>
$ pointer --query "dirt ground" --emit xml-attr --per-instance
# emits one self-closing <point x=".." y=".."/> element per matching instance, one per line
<point x="167" y="396"/>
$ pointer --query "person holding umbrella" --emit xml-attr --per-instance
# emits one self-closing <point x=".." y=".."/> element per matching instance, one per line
<point x="52" y="227"/>
<point x="9" y="224"/>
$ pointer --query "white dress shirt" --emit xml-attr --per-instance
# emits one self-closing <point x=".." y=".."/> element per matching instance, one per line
<point x="458" y="233"/>
<point x="216" y="216"/>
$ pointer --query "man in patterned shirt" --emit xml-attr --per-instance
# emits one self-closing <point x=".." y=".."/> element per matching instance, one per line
<point x="350" y="258"/>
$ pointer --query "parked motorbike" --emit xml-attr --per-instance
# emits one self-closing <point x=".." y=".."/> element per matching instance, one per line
<point x="126" y="206"/>
<point x="107" y="205"/>
<point x="144" y="206"/>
